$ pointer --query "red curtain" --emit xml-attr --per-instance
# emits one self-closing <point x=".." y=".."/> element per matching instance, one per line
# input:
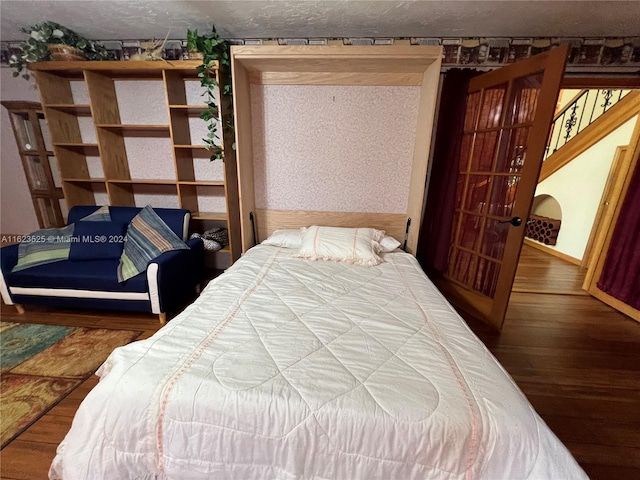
<point x="435" y="231"/>
<point x="620" y="276"/>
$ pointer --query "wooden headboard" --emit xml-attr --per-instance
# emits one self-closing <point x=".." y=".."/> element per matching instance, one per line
<point x="417" y="66"/>
<point x="266" y="221"/>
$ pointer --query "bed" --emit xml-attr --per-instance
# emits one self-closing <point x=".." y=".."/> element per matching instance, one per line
<point x="293" y="368"/>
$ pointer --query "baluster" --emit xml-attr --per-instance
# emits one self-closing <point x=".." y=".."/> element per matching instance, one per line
<point x="607" y="99"/>
<point x="571" y="122"/>
<point x="584" y="107"/>
<point x="560" y="122"/>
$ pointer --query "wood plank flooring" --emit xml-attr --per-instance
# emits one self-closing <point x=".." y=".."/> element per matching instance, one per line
<point x="576" y="359"/>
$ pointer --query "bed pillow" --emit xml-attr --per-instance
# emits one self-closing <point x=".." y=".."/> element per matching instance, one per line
<point x="100" y="215"/>
<point x="359" y="246"/>
<point x="44" y="246"/>
<point x="97" y="240"/>
<point x="287" y="238"/>
<point x="388" y="244"/>
<point x="147" y="237"/>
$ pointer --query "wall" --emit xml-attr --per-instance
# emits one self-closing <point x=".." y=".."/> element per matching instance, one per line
<point x="333" y="148"/>
<point x="17" y="215"/>
<point x="578" y="187"/>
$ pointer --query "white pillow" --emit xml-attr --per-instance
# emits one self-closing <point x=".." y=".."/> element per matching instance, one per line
<point x="287" y="238"/>
<point x="359" y="246"/>
<point x="388" y="244"/>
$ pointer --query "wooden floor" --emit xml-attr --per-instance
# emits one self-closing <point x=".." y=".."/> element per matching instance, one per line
<point x="576" y="359"/>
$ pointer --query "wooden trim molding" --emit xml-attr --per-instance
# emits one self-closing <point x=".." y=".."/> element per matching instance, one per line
<point x="609" y="197"/>
<point x="552" y="251"/>
<point x="578" y="82"/>
<point x="615" y="303"/>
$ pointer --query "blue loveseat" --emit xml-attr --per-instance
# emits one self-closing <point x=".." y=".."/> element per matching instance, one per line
<point x="88" y="279"/>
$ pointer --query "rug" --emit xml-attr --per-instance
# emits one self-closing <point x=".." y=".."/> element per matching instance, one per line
<point x="42" y="364"/>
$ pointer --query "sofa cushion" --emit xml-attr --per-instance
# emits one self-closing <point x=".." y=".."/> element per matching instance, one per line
<point x="97" y="240"/>
<point x="95" y="275"/>
<point x="44" y="246"/>
<point x="147" y="237"/>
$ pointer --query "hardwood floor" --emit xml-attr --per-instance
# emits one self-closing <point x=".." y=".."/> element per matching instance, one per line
<point x="578" y="362"/>
<point x="576" y="359"/>
<point x="539" y="272"/>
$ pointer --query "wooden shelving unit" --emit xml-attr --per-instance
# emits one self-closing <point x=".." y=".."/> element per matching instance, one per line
<point x="45" y="190"/>
<point x="80" y="187"/>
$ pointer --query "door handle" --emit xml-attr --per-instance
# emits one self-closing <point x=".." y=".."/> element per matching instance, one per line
<point x="515" y="221"/>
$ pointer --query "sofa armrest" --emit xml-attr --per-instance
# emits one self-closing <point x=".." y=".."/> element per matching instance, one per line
<point x="8" y="260"/>
<point x="173" y="276"/>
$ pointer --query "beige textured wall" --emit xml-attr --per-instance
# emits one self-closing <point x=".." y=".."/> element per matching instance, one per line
<point x="333" y="148"/>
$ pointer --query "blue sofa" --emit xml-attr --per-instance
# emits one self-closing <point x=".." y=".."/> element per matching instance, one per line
<point x="169" y="281"/>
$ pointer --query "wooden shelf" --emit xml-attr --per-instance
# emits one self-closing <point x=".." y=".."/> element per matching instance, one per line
<point x="76" y="109"/>
<point x="84" y="180"/>
<point x="191" y="110"/>
<point x="222" y="216"/>
<point x="85" y="148"/>
<point x="35" y="153"/>
<point x="120" y="69"/>
<point x="198" y="147"/>
<point x="47" y="198"/>
<point x="142" y="181"/>
<point x="137" y="130"/>
<point x="198" y="151"/>
<point x="205" y="183"/>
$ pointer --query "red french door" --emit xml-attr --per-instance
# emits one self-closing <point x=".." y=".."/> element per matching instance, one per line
<point x="507" y="121"/>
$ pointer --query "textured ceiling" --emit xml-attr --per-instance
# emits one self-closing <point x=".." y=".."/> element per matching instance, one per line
<point x="143" y="19"/>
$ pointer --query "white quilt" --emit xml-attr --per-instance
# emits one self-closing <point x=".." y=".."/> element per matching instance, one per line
<point x="293" y="369"/>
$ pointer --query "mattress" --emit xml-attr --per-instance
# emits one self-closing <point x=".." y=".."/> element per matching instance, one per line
<point x="294" y="369"/>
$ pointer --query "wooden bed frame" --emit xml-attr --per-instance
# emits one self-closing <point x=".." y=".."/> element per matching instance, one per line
<point x="344" y="66"/>
<point x="266" y="221"/>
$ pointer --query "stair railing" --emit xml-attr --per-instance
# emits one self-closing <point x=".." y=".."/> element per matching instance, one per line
<point x="578" y="114"/>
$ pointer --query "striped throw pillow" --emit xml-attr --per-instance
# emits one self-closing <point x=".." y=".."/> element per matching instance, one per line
<point x="100" y="215"/>
<point x="147" y="237"/>
<point x="44" y="246"/>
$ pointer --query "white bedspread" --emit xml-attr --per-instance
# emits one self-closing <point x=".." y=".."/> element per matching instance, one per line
<point x="286" y="368"/>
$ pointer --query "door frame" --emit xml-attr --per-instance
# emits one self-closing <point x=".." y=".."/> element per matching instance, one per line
<point x="595" y="262"/>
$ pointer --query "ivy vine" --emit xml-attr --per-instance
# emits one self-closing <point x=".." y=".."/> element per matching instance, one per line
<point x="212" y="48"/>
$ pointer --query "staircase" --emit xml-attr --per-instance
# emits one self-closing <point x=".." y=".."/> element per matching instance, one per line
<point x="588" y="118"/>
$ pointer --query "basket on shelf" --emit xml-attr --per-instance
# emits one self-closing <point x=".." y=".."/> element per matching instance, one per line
<point x="67" y="53"/>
